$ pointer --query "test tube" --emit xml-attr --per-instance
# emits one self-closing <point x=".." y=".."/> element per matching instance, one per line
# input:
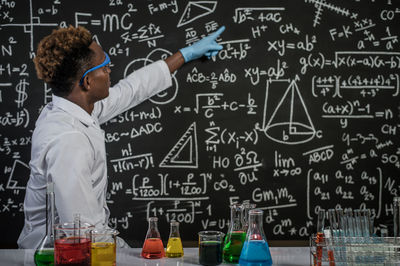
<point x="396" y="217"/>
<point x="341" y="234"/>
<point x="320" y="237"/>
<point x="333" y="235"/>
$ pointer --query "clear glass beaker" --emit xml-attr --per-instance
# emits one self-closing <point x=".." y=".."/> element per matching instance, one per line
<point x="72" y="244"/>
<point x="210" y="247"/>
<point x="235" y="237"/>
<point x="174" y="246"/>
<point x="255" y="250"/>
<point x="103" y="247"/>
<point x="153" y="247"/>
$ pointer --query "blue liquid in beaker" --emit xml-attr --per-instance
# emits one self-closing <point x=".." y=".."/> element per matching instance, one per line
<point x="255" y="253"/>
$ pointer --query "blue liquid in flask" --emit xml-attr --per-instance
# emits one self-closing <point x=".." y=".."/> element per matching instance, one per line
<point x="255" y="253"/>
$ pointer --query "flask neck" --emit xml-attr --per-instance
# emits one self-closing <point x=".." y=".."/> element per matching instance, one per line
<point x="245" y="214"/>
<point x="153" y="232"/>
<point x="50" y="210"/>
<point x="236" y="218"/>
<point x="255" y="230"/>
<point x="174" y="231"/>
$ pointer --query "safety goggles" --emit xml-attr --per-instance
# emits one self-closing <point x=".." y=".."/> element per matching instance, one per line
<point x="105" y="62"/>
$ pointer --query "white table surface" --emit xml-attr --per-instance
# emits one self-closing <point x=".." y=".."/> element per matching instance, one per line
<point x="131" y="256"/>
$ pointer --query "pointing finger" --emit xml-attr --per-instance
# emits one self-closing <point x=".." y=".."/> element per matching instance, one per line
<point x="217" y="33"/>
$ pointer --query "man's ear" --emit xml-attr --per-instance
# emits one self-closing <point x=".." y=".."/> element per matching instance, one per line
<point x="86" y="83"/>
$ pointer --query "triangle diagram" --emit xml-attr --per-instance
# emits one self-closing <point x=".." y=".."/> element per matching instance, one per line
<point x="195" y="10"/>
<point x="19" y="174"/>
<point x="184" y="153"/>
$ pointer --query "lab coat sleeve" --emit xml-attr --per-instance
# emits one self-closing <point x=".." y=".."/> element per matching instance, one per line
<point x="134" y="89"/>
<point x="69" y="158"/>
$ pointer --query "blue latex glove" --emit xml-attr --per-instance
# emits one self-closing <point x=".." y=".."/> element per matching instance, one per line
<point x="206" y="46"/>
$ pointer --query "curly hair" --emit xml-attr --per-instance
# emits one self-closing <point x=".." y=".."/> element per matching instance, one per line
<point x="62" y="57"/>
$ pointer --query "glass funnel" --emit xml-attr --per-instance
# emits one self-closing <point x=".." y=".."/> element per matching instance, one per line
<point x="255" y="250"/>
<point x="153" y="247"/>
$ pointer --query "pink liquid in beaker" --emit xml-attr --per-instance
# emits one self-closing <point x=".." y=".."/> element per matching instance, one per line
<point x="72" y="251"/>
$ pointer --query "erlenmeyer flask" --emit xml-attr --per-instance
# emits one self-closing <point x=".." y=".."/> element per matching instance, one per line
<point x="44" y="254"/>
<point x="174" y="246"/>
<point x="235" y="237"/>
<point x="255" y="250"/>
<point x="153" y="247"/>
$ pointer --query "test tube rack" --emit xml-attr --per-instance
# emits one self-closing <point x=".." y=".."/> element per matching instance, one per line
<point x="338" y="251"/>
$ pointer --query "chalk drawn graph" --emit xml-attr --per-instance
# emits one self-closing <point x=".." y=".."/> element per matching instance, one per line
<point x="322" y="4"/>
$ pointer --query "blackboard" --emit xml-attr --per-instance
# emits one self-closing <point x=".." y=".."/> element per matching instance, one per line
<point x="299" y="111"/>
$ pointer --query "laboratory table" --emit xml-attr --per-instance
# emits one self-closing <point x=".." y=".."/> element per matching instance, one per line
<point x="131" y="256"/>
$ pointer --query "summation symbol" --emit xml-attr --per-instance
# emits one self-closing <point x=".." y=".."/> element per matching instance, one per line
<point x="184" y="154"/>
<point x="321" y="4"/>
<point x="290" y="122"/>
<point x="22" y="95"/>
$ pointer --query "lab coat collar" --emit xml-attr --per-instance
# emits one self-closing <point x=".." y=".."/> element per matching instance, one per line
<point x="73" y="109"/>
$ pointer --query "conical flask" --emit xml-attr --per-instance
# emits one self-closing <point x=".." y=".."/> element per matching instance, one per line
<point x="235" y="237"/>
<point x="174" y="246"/>
<point x="153" y="247"/>
<point x="44" y="254"/>
<point x="255" y="250"/>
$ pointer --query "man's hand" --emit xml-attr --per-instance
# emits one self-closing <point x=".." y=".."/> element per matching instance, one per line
<point x="206" y="46"/>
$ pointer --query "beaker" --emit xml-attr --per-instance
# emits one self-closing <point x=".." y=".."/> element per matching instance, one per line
<point x="72" y="243"/>
<point x="153" y="247"/>
<point x="103" y="247"/>
<point x="210" y="247"/>
<point x="255" y="250"/>
<point x="235" y="237"/>
<point x="44" y="254"/>
<point x="174" y="246"/>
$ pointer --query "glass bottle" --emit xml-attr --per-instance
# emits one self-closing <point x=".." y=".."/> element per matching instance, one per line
<point x="44" y="254"/>
<point x="174" y="246"/>
<point x="255" y="250"/>
<point x="153" y="247"/>
<point x="235" y="237"/>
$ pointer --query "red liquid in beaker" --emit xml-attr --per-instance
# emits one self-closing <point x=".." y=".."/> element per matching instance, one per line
<point x="72" y="251"/>
<point x="153" y="248"/>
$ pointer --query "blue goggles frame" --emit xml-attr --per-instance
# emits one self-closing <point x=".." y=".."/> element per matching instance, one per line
<point x="105" y="62"/>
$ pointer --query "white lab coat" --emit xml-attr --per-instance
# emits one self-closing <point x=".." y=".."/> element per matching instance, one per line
<point x="68" y="148"/>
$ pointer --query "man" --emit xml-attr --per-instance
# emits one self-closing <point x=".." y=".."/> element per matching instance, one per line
<point x="68" y="145"/>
